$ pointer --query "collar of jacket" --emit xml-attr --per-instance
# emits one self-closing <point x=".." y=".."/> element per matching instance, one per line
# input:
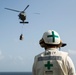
<point x="51" y="49"/>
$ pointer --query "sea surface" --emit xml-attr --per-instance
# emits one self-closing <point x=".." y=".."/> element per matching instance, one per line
<point x="15" y="73"/>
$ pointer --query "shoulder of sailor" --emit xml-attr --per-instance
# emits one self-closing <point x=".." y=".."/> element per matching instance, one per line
<point x="39" y="55"/>
<point x="64" y="55"/>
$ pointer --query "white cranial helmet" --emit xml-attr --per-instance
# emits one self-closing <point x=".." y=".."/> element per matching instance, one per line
<point x="51" y="37"/>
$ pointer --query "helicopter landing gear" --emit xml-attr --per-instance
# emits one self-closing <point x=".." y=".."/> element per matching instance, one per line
<point x="21" y="37"/>
<point x="24" y="22"/>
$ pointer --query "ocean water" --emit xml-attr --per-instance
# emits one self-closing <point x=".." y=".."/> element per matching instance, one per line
<point x="15" y="73"/>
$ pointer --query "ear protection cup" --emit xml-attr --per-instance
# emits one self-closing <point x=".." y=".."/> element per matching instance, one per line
<point x="42" y="43"/>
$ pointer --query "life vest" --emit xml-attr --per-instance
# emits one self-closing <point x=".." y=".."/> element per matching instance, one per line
<point x="52" y="62"/>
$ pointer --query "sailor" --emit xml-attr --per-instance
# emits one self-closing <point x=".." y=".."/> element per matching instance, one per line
<point x="52" y="61"/>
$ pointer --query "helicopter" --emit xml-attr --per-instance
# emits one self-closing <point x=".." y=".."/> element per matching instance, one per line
<point x="21" y="15"/>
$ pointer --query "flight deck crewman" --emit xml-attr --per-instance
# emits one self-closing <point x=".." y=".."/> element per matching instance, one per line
<point x="52" y="61"/>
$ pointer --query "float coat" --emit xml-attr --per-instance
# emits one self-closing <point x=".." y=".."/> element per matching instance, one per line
<point x="53" y="62"/>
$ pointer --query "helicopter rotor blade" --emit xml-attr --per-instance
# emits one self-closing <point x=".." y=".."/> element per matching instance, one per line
<point x="12" y="10"/>
<point x="37" y="13"/>
<point x="26" y="7"/>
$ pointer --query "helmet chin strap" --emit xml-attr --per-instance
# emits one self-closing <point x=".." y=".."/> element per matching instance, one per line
<point x="59" y="48"/>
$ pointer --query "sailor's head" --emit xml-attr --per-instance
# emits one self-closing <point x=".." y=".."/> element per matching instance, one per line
<point x="51" y="38"/>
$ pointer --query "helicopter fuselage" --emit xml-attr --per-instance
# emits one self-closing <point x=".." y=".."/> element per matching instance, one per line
<point x="22" y="16"/>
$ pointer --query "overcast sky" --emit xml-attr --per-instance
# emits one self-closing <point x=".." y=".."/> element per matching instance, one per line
<point x="58" y="15"/>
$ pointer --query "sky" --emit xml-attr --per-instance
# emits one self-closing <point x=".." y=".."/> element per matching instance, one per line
<point x="58" y="15"/>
